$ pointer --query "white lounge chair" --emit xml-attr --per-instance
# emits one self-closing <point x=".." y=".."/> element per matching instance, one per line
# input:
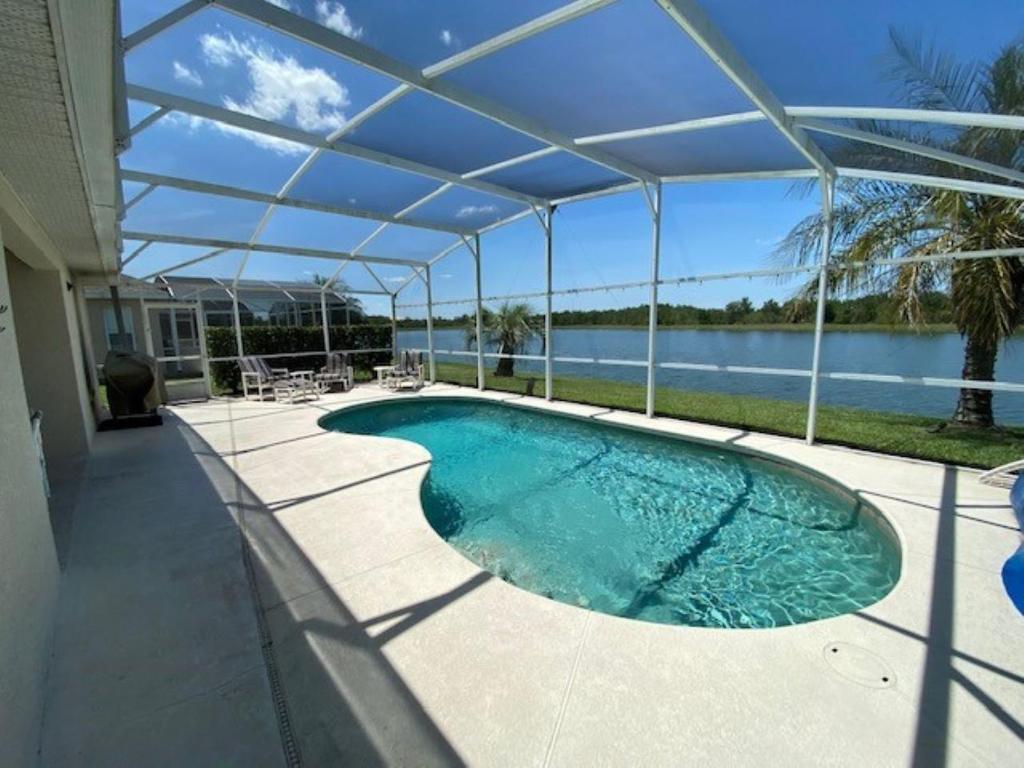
<point x="408" y="372"/>
<point x="1002" y="476"/>
<point x="256" y="374"/>
<point x="337" y="371"/>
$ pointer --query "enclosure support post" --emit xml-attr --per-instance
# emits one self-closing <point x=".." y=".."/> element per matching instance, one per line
<point x="394" y="332"/>
<point x="237" y="317"/>
<point x="652" y="317"/>
<point x="175" y="341"/>
<point x="204" y="355"/>
<point x="827" y="190"/>
<point x="430" y="330"/>
<point x="147" y="331"/>
<point x="234" y="301"/>
<point x="122" y="334"/>
<point x="548" y="369"/>
<point x="479" y="317"/>
<point x="324" y="322"/>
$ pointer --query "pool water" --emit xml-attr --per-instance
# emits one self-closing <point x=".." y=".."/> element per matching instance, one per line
<point x="635" y="524"/>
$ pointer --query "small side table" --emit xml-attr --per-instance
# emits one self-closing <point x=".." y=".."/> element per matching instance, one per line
<point x="382" y="371"/>
<point x="298" y="382"/>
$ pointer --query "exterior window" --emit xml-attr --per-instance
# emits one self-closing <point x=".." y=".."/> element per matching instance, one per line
<point x="110" y="327"/>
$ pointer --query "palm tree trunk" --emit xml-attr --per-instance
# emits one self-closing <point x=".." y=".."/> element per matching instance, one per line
<point x="974" y="408"/>
<point x="505" y="363"/>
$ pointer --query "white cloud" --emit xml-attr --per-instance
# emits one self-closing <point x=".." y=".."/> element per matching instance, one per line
<point x="185" y="75"/>
<point x="475" y="210"/>
<point x="279" y="88"/>
<point x="281" y="146"/>
<point x="393" y="279"/>
<point x="282" y="4"/>
<point x="335" y="16"/>
<point x="447" y="37"/>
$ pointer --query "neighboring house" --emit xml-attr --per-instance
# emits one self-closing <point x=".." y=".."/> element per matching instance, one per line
<point x="160" y="317"/>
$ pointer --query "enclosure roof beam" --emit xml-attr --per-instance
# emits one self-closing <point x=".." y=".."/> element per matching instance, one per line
<point x="148" y="120"/>
<point x="165" y="22"/>
<point x="287" y="133"/>
<point x="333" y="42"/>
<point x="695" y="22"/>
<point x="785" y="173"/>
<point x="937" y="182"/>
<point x="964" y="119"/>
<point x="530" y="28"/>
<point x="913" y="148"/>
<point x="944" y="117"/>
<point x="240" y="245"/>
<point x="684" y="126"/>
<point x="238" y="193"/>
<point x="187" y="263"/>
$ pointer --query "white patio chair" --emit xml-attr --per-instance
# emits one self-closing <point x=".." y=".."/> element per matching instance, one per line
<point x="408" y="373"/>
<point x="256" y="374"/>
<point x="337" y="371"/>
<point x="1002" y="476"/>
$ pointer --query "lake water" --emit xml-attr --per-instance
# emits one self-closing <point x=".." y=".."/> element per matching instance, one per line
<point x="907" y="354"/>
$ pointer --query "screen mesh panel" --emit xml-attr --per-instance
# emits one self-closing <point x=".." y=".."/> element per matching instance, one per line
<point x="468" y="208"/>
<point x="220" y="59"/>
<point x="558" y="175"/>
<point x="748" y="147"/>
<point x="428" y="130"/>
<point x="816" y="53"/>
<point x="625" y="66"/>
<point x="346" y="181"/>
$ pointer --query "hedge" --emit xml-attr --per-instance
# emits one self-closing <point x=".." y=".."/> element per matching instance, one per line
<point x="273" y="339"/>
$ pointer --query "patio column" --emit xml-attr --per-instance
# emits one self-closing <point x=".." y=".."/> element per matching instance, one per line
<point x="122" y="334"/>
<point x="240" y="349"/>
<point x="175" y="341"/>
<point x="147" y="329"/>
<point x="827" y="185"/>
<point x="204" y="355"/>
<point x="323" y="316"/>
<point x="430" y="330"/>
<point x="548" y="368"/>
<point x="237" y="318"/>
<point x="479" y="317"/>
<point x="652" y="317"/>
<point x="394" y="332"/>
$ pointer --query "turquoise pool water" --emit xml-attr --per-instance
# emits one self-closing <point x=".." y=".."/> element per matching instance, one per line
<point x="638" y="525"/>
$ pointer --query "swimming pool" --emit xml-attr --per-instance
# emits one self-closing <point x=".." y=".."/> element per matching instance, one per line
<point x="635" y="524"/>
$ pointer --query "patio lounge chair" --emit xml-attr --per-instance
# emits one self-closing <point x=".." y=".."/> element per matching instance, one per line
<point x="337" y="371"/>
<point x="408" y="372"/>
<point x="256" y="374"/>
<point x="1003" y="476"/>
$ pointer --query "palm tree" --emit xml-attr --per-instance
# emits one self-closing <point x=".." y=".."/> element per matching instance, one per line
<point x="510" y="328"/>
<point x="342" y="290"/>
<point x="875" y="221"/>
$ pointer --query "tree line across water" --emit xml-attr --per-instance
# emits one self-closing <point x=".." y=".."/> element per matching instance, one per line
<point x="873" y="309"/>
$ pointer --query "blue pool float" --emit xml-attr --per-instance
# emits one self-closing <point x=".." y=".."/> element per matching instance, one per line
<point x="1013" y="569"/>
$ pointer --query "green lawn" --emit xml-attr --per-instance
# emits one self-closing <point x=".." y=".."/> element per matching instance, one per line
<point x="899" y="434"/>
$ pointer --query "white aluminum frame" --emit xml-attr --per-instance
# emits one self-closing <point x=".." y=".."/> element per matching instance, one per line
<point x="827" y="188"/>
<point x="792" y="122"/>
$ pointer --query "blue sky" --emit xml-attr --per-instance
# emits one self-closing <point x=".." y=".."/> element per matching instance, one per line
<point x="623" y="67"/>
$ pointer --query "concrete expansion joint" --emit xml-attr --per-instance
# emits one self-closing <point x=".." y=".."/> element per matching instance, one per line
<point x="584" y="632"/>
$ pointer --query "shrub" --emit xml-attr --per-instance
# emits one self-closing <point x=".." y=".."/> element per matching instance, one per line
<point x="272" y="339"/>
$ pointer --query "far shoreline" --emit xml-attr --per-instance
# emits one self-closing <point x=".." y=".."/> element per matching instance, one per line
<point x="925" y="330"/>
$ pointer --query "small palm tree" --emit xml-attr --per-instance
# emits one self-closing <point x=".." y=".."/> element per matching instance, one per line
<point x="874" y="221"/>
<point x="510" y="329"/>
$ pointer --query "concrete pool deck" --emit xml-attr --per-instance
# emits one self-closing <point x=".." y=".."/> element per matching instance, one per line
<point x="392" y="648"/>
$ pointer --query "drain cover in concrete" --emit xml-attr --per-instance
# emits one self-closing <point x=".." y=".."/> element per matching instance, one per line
<point x="859" y="665"/>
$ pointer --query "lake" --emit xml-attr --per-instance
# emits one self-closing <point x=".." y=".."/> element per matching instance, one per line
<point x="907" y="354"/>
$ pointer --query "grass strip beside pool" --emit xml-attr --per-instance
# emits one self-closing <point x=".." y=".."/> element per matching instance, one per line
<point x="892" y="433"/>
